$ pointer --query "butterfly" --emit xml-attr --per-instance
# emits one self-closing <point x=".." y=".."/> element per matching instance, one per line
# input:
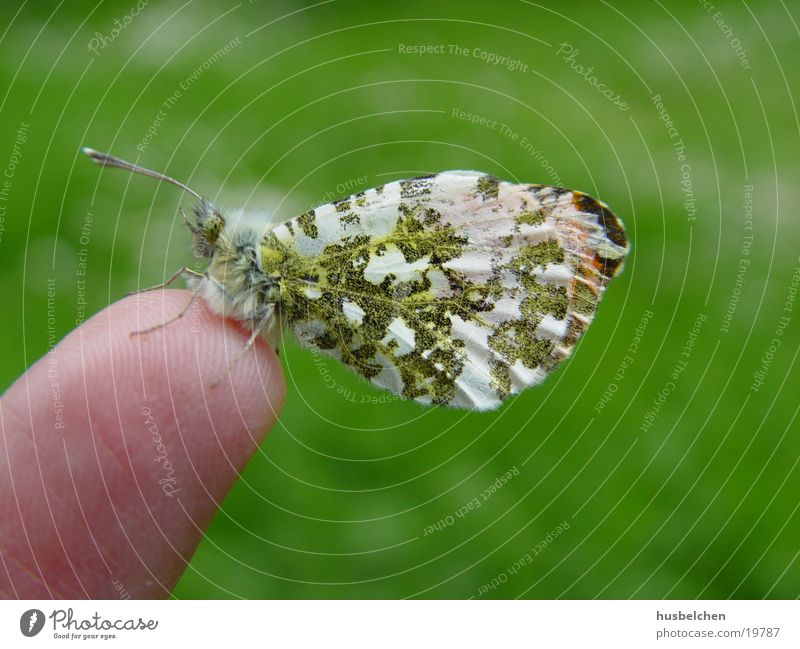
<point x="456" y="288"/>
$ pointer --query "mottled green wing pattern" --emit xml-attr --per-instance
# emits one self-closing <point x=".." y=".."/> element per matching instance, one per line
<point x="454" y="289"/>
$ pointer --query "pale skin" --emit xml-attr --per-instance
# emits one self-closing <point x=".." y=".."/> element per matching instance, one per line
<point x="89" y="507"/>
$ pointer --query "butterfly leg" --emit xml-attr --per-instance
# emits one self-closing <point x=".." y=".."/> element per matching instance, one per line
<point x="181" y="272"/>
<point x="182" y="313"/>
<point x="257" y="331"/>
<point x="272" y="333"/>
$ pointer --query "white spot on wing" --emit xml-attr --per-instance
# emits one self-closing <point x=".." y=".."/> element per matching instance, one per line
<point x="554" y="274"/>
<point x="312" y="292"/>
<point x="353" y="312"/>
<point x="474" y="385"/>
<point x="388" y="377"/>
<point x="440" y="286"/>
<point x="392" y="262"/>
<point x="523" y="377"/>
<point x="474" y="264"/>
<point x="551" y="328"/>
<point x="403" y="334"/>
<point x="505" y="309"/>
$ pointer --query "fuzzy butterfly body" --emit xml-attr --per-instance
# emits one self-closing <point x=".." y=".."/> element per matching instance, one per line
<point x="455" y="289"/>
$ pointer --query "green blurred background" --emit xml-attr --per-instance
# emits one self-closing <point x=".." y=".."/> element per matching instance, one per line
<point x="692" y="494"/>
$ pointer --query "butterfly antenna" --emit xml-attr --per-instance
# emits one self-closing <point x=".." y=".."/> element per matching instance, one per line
<point x="107" y="160"/>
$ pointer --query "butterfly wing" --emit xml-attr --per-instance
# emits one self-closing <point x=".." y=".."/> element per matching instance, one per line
<point x="454" y="289"/>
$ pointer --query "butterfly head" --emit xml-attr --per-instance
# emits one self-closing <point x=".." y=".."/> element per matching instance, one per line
<point x="206" y="224"/>
<point x="233" y="283"/>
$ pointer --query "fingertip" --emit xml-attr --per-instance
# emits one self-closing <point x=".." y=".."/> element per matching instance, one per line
<point x="200" y="359"/>
<point x="136" y="440"/>
<point x="218" y="402"/>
